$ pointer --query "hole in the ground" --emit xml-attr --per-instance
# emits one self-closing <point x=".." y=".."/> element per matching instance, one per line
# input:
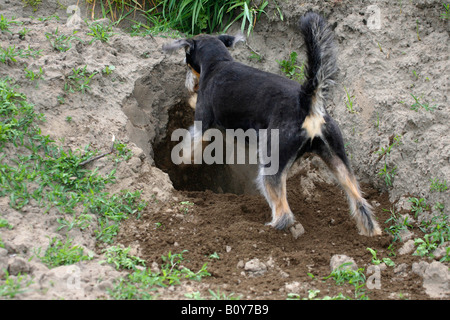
<point x="219" y="178"/>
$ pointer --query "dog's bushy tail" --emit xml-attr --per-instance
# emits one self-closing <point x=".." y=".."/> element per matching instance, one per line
<point x="321" y="68"/>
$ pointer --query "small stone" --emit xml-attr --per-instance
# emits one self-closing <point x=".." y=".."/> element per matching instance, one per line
<point x="297" y="230"/>
<point x="407" y="247"/>
<point x="339" y="259"/>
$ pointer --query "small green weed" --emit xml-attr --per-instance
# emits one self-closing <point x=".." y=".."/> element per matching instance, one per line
<point x="418" y="205"/>
<point x="23" y="33"/>
<point x="100" y="32"/>
<point x="437" y="232"/>
<point x="60" y="253"/>
<point x="349" y="103"/>
<point x="121" y="258"/>
<point x="32" y="3"/>
<point x="140" y="283"/>
<point x="79" y="80"/>
<point x="14" y="285"/>
<point x="343" y="274"/>
<point x="5" y="24"/>
<point x="8" y="55"/>
<point x="61" y="42"/>
<point x="34" y="76"/>
<point x="185" y="205"/>
<point x="438" y="186"/>
<point x="108" y="69"/>
<point x="376" y="261"/>
<point x="397" y="226"/>
<point x="417" y="105"/>
<point x="388" y="174"/>
<point x="291" y="69"/>
<point x="446" y="13"/>
<point x="55" y="178"/>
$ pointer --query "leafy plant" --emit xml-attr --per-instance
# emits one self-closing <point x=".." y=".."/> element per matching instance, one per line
<point x="446" y="13"/>
<point x="437" y="232"/>
<point x="418" y="205"/>
<point x="5" y="24"/>
<point x="54" y="177"/>
<point x="343" y="274"/>
<point x="376" y="261"/>
<point x="79" y="80"/>
<point x="33" y="3"/>
<point x="121" y="258"/>
<point x="417" y="104"/>
<point x="14" y="285"/>
<point x="388" y="174"/>
<point x="436" y="185"/>
<point x="291" y="69"/>
<point x="349" y="103"/>
<point x="100" y="32"/>
<point x="108" y="69"/>
<point x="140" y="283"/>
<point x="397" y="225"/>
<point x="61" y="42"/>
<point x="32" y="76"/>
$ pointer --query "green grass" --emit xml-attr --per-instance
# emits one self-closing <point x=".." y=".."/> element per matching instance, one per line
<point x="59" y="253"/>
<point x="349" y="102"/>
<point x="61" y="42"/>
<point x="291" y="68"/>
<point x="446" y="14"/>
<point x="34" y="76"/>
<point x="436" y="233"/>
<point x="121" y="258"/>
<point x="14" y="285"/>
<point x="100" y="32"/>
<point x="438" y="186"/>
<point x="5" y="24"/>
<point x="345" y="275"/>
<point x="41" y="173"/>
<point x="32" y="3"/>
<point x="418" y="104"/>
<point x="396" y="225"/>
<point x="142" y="283"/>
<point x="79" y="80"/>
<point x="186" y="16"/>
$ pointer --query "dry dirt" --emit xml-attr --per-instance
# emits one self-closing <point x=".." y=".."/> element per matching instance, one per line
<point x="144" y="100"/>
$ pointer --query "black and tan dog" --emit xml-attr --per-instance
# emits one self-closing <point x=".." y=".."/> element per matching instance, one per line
<point x="232" y="95"/>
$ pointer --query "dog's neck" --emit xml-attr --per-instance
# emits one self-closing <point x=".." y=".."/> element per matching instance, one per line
<point x="208" y="58"/>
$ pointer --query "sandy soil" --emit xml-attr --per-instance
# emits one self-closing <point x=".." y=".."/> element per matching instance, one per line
<point x="144" y="100"/>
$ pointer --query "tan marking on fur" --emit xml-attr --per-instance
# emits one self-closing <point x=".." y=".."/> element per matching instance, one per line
<point x="278" y="197"/>
<point x="193" y="101"/>
<point x="313" y="125"/>
<point x="195" y="73"/>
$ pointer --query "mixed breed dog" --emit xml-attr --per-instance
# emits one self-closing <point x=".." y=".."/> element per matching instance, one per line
<point x="231" y="95"/>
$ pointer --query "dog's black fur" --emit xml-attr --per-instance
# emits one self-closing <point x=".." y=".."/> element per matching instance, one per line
<point x="232" y="95"/>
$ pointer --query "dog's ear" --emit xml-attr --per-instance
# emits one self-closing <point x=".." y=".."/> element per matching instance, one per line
<point x="230" y="41"/>
<point x="187" y="44"/>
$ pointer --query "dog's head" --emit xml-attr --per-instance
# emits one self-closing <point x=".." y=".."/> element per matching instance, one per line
<point x="203" y="49"/>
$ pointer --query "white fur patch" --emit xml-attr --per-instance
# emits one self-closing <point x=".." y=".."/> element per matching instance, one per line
<point x="191" y="81"/>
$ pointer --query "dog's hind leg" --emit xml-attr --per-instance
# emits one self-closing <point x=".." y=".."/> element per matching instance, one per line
<point x="273" y="187"/>
<point x="331" y="149"/>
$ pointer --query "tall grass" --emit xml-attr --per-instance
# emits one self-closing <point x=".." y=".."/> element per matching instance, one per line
<point x="187" y="16"/>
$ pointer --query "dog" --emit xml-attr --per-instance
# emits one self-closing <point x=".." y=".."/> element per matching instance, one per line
<point x="232" y="95"/>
